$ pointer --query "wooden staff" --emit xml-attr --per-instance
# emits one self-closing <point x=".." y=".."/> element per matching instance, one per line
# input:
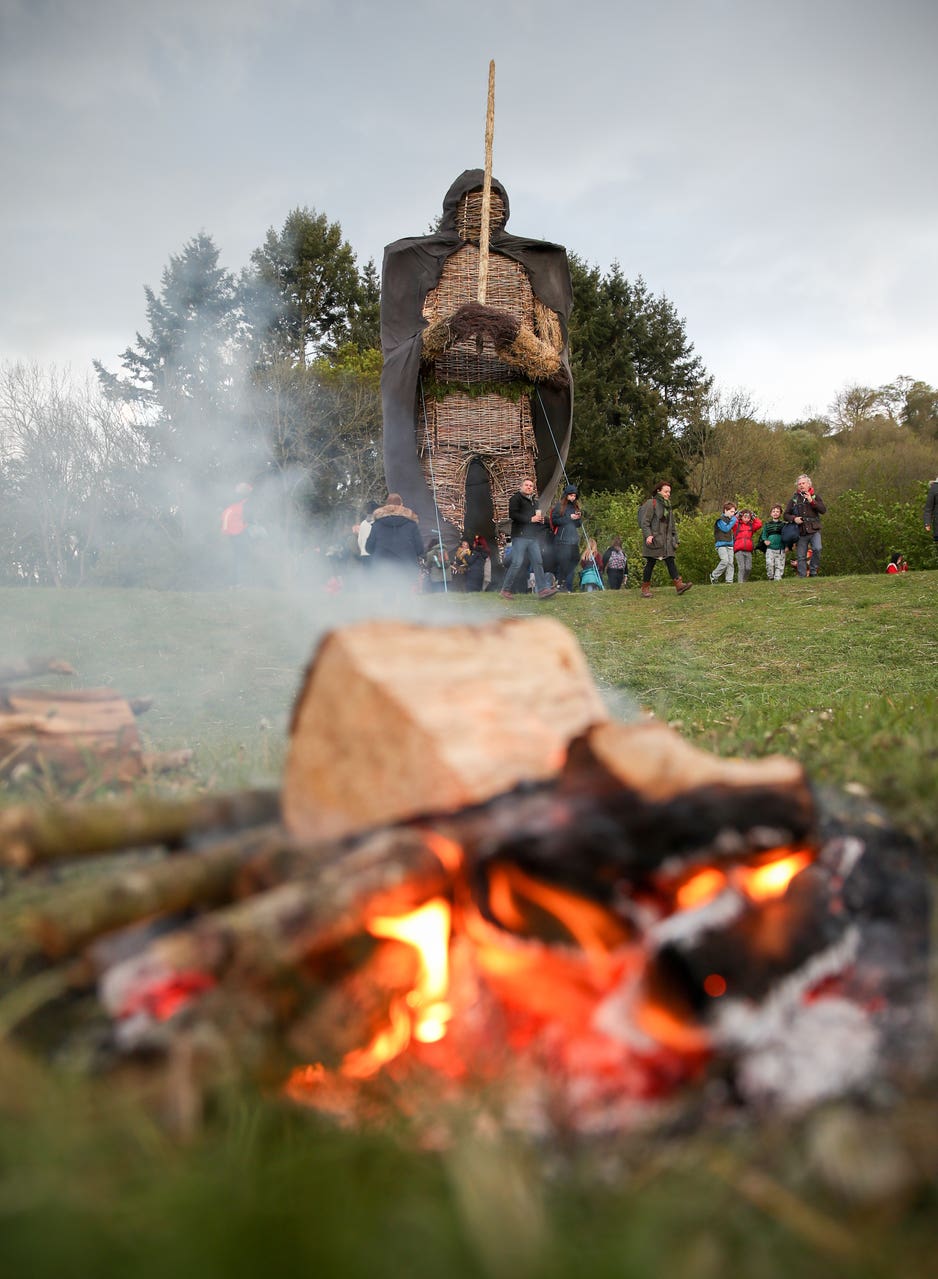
<point x="487" y="188"/>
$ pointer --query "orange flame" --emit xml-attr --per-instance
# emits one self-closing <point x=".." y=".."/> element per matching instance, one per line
<point x="761" y="883"/>
<point x="423" y="1013"/>
<point x="595" y="929"/>
<point x="449" y="853"/>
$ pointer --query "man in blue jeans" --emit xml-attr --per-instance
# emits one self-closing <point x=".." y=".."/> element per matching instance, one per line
<point x="527" y="523"/>
<point x="805" y="509"/>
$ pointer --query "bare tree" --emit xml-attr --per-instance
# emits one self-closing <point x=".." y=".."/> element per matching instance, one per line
<point x="68" y="456"/>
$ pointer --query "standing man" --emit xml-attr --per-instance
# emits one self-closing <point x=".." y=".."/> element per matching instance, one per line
<point x="527" y="523"/>
<point x="394" y="541"/>
<point x="805" y="509"/>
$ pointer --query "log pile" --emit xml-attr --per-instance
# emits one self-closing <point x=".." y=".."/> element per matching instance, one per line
<point x="69" y="737"/>
<point x="406" y="786"/>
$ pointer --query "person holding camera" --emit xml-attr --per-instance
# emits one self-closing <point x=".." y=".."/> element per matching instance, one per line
<point x="805" y="509"/>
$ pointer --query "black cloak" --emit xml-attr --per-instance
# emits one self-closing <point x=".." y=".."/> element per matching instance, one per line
<point x="412" y="267"/>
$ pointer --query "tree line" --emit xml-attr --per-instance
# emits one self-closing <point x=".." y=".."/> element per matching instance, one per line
<point x="271" y="376"/>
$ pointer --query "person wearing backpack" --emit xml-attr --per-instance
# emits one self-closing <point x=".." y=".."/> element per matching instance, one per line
<point x="659" y="532"/>
<point x="591" y="568"/>
<point x="724" y="531"/>
<point x="616" y="565"/>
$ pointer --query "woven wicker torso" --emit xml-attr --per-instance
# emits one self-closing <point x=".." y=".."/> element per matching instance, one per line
<point x="508" y="290"/>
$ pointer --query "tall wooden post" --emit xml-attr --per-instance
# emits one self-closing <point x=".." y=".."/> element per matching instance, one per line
<point x="487" y="188"/>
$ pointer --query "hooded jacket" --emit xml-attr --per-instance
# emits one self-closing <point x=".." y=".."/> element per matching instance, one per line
<point x="745" y="534"/>
<point x="395" y="537"/>
<point x="412" y="267"/>
<point x="656" y="520"/>
<point x="567" y="522"/>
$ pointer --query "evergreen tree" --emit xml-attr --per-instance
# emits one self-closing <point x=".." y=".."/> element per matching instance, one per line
<point x="637" y="383"/>
<point x="185" y="371"/>
<point x="303" y="292"/>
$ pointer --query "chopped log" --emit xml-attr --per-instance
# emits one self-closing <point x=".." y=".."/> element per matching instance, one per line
<point x="669" y="795"/>
<point x="32" y="666"/>
<point x="71" y="735"/>
<point x="396" y="719"/>
<point x="31" y="836"/>
<point x="656" y="763"/>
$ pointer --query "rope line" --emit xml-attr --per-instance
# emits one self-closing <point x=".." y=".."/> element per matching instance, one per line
<point x="436" y="508"/>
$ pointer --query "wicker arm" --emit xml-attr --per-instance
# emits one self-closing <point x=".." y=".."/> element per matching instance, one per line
<point x="436" y="339"/>
<point x="538" y="354"/>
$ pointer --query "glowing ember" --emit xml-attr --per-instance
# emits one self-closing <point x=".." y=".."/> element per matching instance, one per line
<point x="568" y="976"/>
<point x="759" y="883"/>
<point x="700" y="888"/>
<point x="164" y="997"/>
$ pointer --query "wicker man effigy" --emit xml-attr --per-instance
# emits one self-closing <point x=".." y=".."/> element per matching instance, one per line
<point x="474" y="396"/>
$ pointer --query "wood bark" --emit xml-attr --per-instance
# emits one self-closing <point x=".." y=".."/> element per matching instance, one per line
<point x="31" y="836"/>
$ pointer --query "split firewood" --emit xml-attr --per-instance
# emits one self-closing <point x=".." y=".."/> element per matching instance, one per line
<point x="396" y="719"/>
<point x="30" y="836"/>
<point x="32" y="666"/>
<point x="671" y="795"/>
<point x="71" y="735"/>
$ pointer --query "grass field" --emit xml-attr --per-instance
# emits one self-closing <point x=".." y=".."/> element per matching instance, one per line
<point x="841" y="673"/>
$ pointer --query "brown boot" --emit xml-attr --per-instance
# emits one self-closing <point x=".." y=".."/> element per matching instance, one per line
<point x="646" y="590"/>
<point x="681" y="587"/>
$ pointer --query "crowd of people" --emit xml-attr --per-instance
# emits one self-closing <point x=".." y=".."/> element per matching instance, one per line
<point x="793" y="531"/>
<point x="547" y="552"/>
<point x="550" y="552"/>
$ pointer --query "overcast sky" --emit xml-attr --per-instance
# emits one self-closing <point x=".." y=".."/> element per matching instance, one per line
<point x="769" y="167"/>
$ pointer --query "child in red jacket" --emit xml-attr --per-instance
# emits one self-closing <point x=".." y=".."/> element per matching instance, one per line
<point x="749" y="524"/>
